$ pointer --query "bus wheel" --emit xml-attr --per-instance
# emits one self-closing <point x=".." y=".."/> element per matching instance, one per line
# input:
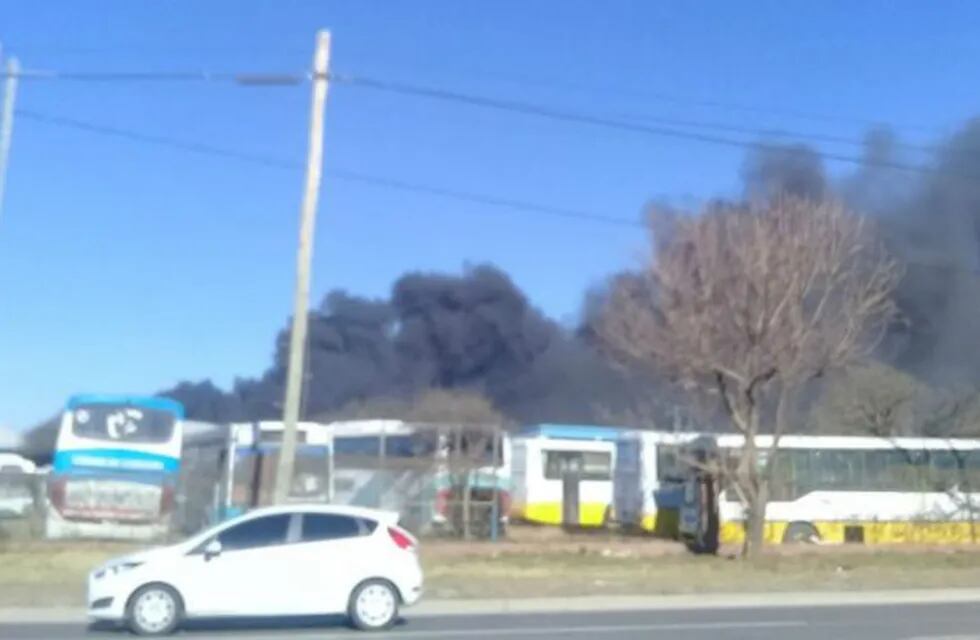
<point x="801" y="532"/>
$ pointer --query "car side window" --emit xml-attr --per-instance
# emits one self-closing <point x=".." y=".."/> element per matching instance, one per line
<point x="329" y="526"/>
<point x="260" y="532"/>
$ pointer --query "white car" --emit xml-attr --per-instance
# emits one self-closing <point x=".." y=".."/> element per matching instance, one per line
<point x="274" y="561"/>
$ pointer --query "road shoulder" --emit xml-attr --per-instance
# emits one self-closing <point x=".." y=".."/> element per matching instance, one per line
<point x="428" y="608"/>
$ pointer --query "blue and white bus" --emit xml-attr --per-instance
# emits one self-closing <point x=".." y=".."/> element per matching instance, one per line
<point x="115" y="467"/>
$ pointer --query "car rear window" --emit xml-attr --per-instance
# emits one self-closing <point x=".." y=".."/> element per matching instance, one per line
<point x="329" y="526"/>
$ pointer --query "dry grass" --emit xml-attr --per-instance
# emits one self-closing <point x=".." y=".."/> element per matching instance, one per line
<point x="50" y="573"/>
<point x="550" y="563"/>
<point x="617" y="569"/>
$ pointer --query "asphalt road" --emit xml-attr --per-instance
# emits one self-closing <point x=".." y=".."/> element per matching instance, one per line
<point x="891" y="622"/>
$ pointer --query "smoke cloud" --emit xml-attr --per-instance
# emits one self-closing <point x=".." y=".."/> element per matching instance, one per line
<point x="475" y="332"/>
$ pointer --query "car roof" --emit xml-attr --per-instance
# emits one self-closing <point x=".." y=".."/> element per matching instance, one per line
<point x="319" y="507"/>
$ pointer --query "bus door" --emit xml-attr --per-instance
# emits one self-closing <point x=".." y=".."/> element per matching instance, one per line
<point x="571" y="483"/>
<point x="699" y="512"/>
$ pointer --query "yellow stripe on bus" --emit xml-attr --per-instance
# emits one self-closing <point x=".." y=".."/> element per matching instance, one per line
<point x="591" y="514"/>
<point x="873" y="532"/>
<point x="662" y="524"/>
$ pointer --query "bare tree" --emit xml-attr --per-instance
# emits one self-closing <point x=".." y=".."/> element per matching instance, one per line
<point x="874" y="399"/>
<point x="746" y="304"/>
<point x="376" y="407"/>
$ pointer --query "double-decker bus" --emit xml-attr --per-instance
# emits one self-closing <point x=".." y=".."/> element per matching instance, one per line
<point x="115" y="467"/>
<point x="836" y="489"/>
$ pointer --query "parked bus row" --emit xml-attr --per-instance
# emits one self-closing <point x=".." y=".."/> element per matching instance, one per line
<point x="126" y="466"/>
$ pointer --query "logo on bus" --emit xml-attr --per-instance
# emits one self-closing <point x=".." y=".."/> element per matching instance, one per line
<point x="120" y="425"/>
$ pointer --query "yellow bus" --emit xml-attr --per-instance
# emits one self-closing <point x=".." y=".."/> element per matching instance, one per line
<point x="562" y="474"/>
<point x="836" y="489"/>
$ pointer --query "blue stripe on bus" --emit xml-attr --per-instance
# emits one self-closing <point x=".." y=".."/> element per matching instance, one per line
<point x="147" y="402"/>
<point x="114" y="459"/>
<point x="573" y="431"/>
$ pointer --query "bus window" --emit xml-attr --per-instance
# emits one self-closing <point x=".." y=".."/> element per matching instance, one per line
<point x="416" y="445"/>
<point x="596" y="465"/>
<point x="479" y="448"/>
<point x="669" y="467"/>
<point x="946" y="469"/>
<point x="972" y="471"/>
<point x="357" y="446"/>
<point x="273" y="436"/>
<point x="311" y="475"/>
<point x="903" y="470"/>
<point x="559" y="463"/>
<point x="122" y="424"/>
<point x="587" y="465"/>
<point x="782" y="486"/>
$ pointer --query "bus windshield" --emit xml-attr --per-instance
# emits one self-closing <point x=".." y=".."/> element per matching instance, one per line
<point x="116" y="423"/>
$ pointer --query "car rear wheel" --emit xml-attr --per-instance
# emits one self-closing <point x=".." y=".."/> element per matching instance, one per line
<point x="154" y="610"/>
<point x="374" y="605"/>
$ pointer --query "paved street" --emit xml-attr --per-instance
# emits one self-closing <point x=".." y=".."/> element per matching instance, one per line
<point x="865" y="622"/>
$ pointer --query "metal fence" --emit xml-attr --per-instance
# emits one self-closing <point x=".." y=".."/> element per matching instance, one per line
<point x="441" y="480"/>
<point x="22" y="505"/>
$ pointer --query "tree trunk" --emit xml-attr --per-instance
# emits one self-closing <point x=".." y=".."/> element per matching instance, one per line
<point x="755" y="518"/>
<point x="467" y="518"/>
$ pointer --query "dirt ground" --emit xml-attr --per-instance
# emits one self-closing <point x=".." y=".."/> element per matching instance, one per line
<point x="549" y="562"/>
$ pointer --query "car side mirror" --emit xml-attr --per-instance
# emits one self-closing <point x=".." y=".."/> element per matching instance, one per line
<point x="212" y="549"/>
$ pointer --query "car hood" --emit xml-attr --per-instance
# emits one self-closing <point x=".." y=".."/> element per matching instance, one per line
<point x="147" y="555"/>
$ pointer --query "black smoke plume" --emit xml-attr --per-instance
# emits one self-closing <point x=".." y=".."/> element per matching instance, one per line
<point x="476" y="331"/>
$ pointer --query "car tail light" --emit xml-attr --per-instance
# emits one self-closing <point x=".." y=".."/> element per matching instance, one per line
<point x="401" y="539"/>
<point x="167" y="499"/>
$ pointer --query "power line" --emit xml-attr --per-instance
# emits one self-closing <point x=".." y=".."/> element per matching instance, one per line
<point x="166" y="141"/>
<point x="519" y="80"/>
<point x="290" y="78"/>
<point x="487" y="199"/>
<point x="337" y="173"/>
<point x="379" y="181"/>
<point x="614" y="89"/>
<point x="531" y="109"/>
<point x="250" y="78"/>
<point x="627" y="122"/>
<point x="764" y="132"/>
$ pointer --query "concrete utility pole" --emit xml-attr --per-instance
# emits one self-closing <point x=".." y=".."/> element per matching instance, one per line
<point x="12" y="69"/>
<point x="297" y="341"/>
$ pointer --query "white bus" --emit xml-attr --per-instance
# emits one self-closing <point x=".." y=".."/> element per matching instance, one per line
<point x="648" y="480"/>
<point x="254" y="459"/>
<point x="405" y="467"/>
<point x="115" y="467"/>
<point x="547" y="461"/>
<point x="836" y="489"/>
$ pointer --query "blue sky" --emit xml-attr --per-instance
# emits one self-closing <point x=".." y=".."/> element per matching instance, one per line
<point x="127" y="266"/>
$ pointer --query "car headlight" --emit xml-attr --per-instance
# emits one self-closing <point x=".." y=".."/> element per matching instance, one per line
<point x="117" y="569"/>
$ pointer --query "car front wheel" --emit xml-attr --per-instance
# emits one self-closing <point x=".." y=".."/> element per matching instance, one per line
<point x="374" y="605"/>
<point x="154" y="610"/>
